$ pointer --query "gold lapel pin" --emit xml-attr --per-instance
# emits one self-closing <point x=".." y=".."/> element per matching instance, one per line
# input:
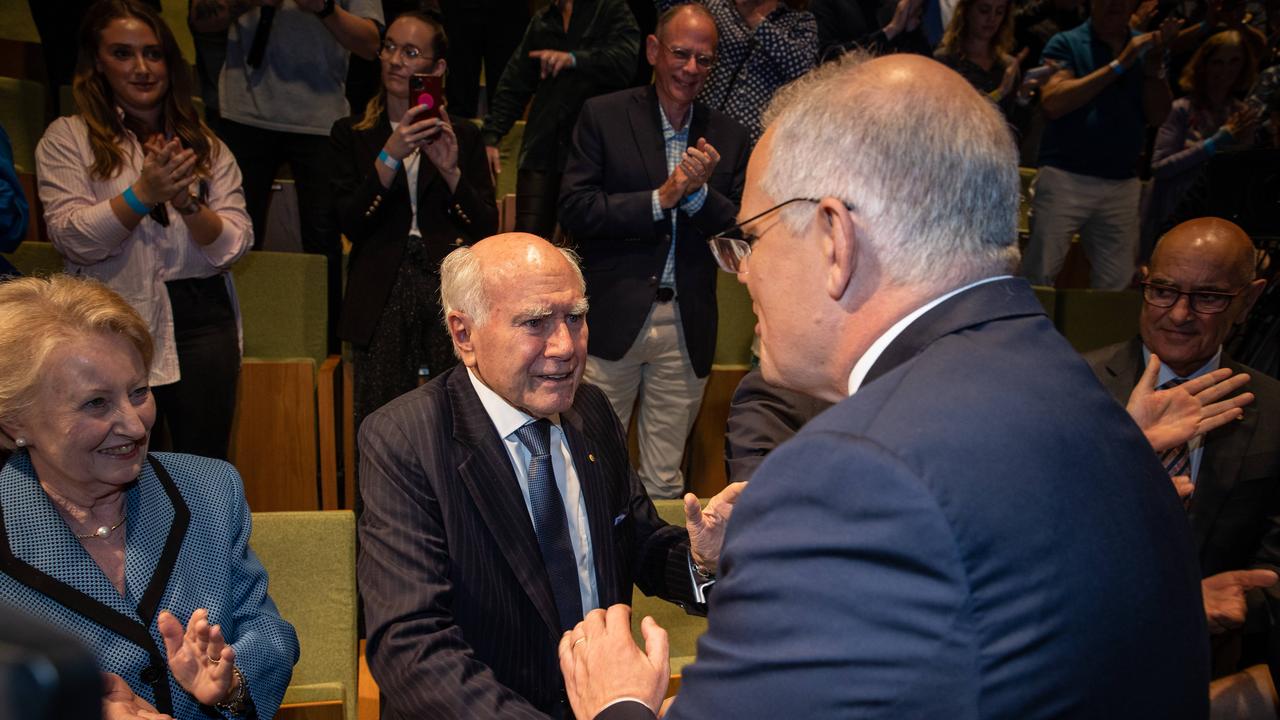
<point x="591" y="457"/>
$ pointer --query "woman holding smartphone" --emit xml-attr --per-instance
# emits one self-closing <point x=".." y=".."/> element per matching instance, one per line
<point x="141" y="195"/>
<point x="411" y="184"/>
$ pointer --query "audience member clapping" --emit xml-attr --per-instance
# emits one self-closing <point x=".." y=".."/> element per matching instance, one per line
<point x="140" y="194"/>
<point x="764" y="44"/>
<point x="978" y="43"/>
<point x="144" y="558"/>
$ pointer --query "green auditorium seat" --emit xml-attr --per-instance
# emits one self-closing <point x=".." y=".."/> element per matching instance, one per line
<point x="310" y="559"/>
<point x="36" y="258"/>
<point x="285" y="431"/>
<point x="683" y="629"/>
<point x="22" y="115"/>
<point x="1091" y="319"/>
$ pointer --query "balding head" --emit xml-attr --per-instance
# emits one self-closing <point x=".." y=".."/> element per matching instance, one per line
<point x="1206" y="256"/>
<point x="516" y="310"/>
<point x="927" y="162"/>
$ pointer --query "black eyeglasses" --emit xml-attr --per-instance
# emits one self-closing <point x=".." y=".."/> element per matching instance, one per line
<point x="682" y="56"/>
<point x="732" y="246"/>
<point x="1205" y="302"/>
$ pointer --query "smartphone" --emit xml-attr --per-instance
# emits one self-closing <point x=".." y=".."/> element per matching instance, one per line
<point x="427" y="90"/>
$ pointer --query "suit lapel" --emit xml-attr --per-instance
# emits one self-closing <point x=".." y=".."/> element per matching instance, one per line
<point x="485" y="469"/>
<point x="599" y="515"/>
<point x="994" y="300"/>
<point x="1220" y="467"/>
<point x="1124" y="369"/>
<point x="646" y="129"/>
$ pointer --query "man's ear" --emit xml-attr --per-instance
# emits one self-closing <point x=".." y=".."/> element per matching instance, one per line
<point x="460" y="326"/>
<point x="1251" y="293"/>
<point x="839" y="244"/>
<point x="651" y="49"/>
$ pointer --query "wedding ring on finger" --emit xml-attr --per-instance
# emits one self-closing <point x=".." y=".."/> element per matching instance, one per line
<point x="578" y="642"/>
<point x="215" y="661"/>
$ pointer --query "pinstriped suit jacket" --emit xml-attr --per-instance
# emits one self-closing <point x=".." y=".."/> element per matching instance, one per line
<point x="459" y="612"/>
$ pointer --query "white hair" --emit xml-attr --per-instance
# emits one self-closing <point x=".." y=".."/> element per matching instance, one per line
<point x="935" y="184"/>
<point x="462" y="283"/>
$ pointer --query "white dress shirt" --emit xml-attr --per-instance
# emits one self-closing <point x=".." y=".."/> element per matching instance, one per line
<point x="507" y="419"/>
<point x="873" y="353"/>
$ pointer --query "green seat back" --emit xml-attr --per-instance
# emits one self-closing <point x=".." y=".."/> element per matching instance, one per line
<point x="509" y="153"/>
<point x="737" y="322"/>
<point x="1091" y="319"/>
<point x="310" y="559"/>
<point x="682" y="629"/>
<point x="283" y="300"/>
<point x="1024" y="205"/>
<point x="22" y="115"/>
<point x="1048" y="300"/>
<point x="36" y="258"/>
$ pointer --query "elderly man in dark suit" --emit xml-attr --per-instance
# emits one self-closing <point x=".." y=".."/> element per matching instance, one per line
<point x="1200" y="283"/>
<point x="499" y="504"/>
<point x="652" y="173"/>
<point x="939" y="544"/>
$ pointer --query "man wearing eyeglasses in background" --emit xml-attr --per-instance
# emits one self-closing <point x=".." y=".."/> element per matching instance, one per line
<point x="1200" y="283"/>
<point x="653" y="173"/>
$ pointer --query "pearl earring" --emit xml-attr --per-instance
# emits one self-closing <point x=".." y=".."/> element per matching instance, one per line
<point x="20" y="442"/>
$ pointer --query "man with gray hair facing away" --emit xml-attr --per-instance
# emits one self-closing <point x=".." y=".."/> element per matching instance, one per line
<point x="975" y="529"/>
<point x="499" y="505"/>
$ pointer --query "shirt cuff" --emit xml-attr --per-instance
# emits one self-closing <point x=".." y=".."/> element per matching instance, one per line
<point x="693" y="203"/>
<point x="611" y="703"/>
<point x="700" y="583"/>
<point x="658" y="213"/>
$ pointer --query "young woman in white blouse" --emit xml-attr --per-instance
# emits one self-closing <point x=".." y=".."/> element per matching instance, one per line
<point x="140" y="194"/>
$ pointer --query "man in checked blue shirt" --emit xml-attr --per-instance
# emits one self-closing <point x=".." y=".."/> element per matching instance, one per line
<point x="652" y="174"/>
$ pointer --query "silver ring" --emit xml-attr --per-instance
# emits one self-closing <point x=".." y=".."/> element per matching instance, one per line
<point x="215" y="662"/>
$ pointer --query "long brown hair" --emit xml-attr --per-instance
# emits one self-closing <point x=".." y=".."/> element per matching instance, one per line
<point x="97" y="103"/>
<point x="952" y="43"/>
<point x="377" y="105"/>
<point x="1195" y="75"/>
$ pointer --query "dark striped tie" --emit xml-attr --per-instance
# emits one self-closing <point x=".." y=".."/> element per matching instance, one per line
<point x="1176" y="460"/>
<point x="550" y="523"/>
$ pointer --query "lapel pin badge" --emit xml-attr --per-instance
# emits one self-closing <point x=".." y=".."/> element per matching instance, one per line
<point x="591" y="457"/>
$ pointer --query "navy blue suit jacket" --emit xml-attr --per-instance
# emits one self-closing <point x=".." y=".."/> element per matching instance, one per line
<point x="458" y="606"/>
<point x="978" y="532"/>
<point x="606" y="204"/>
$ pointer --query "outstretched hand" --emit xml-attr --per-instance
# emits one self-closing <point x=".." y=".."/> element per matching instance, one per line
<point x="199" y="657"/>
<point x="1174" y="416"/>
<point x="707" y="525"/>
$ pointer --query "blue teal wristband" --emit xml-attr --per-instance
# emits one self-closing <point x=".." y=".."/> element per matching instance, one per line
<point x="133" y="202"/>
<point x="1116" y="67"/>
<point x="389" y="161"/>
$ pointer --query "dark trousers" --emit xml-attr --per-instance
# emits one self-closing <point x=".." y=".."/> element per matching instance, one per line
<point x="476" y="36"/>
<point x="199" y="407"/>
<point x="259" y="153"/>
<point x="537" y="194"/>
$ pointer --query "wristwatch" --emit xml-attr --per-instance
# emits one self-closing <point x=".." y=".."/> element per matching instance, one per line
<point x="327" y="10"/>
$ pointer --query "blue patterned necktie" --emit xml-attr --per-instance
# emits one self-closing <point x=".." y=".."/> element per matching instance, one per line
<point x="550" y="523"/>
<point x="1176" y="460"/>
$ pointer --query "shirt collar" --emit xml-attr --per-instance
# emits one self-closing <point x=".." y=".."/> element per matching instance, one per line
<point x="668" y="130"/>
<point x="1167" y="374"/>
<point x="506" y="418"/>
<point x="873" y="353"/>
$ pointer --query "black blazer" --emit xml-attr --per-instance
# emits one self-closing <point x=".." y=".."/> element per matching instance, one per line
<point x="376" y="219"/>
<point x="460" y="616"/>
<point x="1235" y="510"/>
<point x="618" y="160"/>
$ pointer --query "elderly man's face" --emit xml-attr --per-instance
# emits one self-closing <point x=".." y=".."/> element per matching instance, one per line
<point x="1184" y="339"/>
<point x="532" y="347"/>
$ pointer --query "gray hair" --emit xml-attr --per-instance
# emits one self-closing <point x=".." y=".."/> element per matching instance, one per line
<point x="462" y="283"/>
<point x="936" y="183"/>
